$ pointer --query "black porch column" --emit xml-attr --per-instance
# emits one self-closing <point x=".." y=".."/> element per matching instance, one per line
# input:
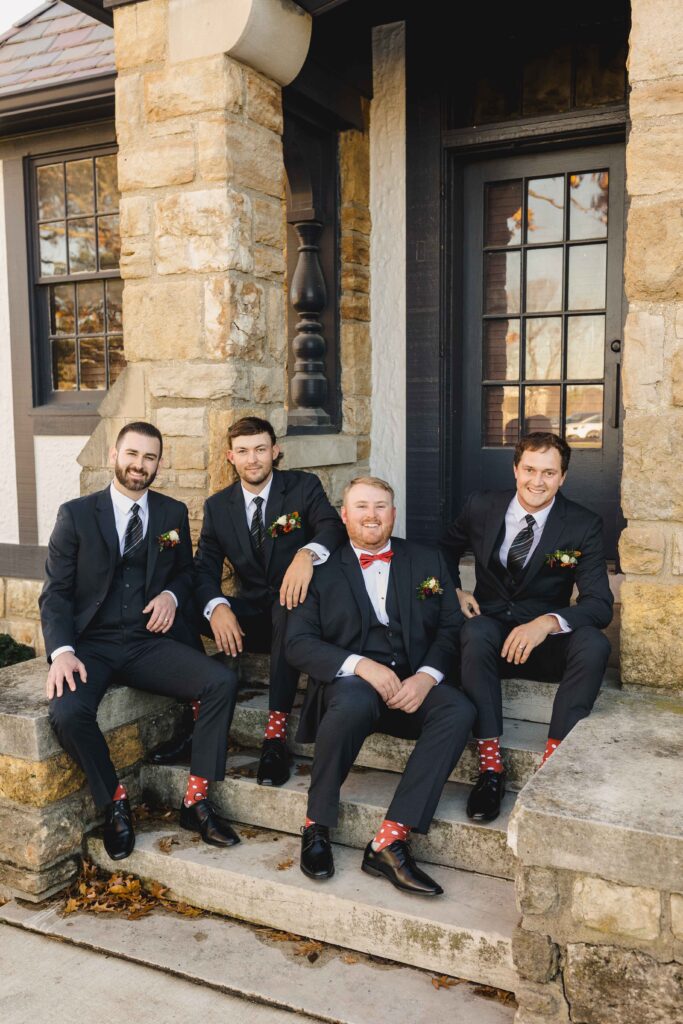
<point x="308" y="385"/>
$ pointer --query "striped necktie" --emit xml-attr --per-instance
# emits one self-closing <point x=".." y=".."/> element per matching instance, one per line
<point x="256" y="529"/>
<point x="521" y="546"/>
<point x="133" y="530"/>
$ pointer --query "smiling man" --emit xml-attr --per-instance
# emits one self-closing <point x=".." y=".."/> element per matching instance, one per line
<point x="531" y="546"/>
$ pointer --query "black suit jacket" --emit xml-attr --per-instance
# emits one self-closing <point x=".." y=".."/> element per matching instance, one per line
<point x="540" y="589"/>
<point x="225" y="534"/>
<point x="334" y="620"/>
<point x="82" y="556"/>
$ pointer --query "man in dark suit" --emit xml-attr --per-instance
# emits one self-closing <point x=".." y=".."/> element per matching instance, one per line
<point x="531" y="546"/>
<point x="377" y="636"/>
<point x="273" y="527"/>
<point x="119" y="566"/>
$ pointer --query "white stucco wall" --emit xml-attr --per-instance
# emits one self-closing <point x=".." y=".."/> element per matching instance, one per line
<point x="388" y="262"/>
<point x="57" y="477"/>
<point x="9" y="513"/>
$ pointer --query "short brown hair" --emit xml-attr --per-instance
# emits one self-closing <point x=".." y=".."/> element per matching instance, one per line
<point x="539" y="441"/>
<point x="140" y="427"/>
<point x="371" y="481"/>
<point x="248" y="426"/>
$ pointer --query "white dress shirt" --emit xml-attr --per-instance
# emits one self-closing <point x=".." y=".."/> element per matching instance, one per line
<point x="321" y="553"/>
<point x="376" y="580"/>
<point x="515" y="520"/>
<point x="122" y="506"/>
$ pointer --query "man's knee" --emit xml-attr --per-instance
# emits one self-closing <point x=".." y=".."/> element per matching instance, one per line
<point x="353" y="699"/>
<point x="589" y="642"/>
<point x="451" y="706"/>
<point x="220" y="681"/>
<point x="67" y="715"/>
<point x="480" y="633"/>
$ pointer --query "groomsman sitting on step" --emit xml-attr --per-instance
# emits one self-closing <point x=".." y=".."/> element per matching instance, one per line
<point x="273" y="526"/>
<point x="531" y="546"/>
<point x="377" y="634"/>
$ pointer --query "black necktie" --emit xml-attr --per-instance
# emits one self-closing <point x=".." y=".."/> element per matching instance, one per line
<point x="133" y="530"/>
<point x="256" y="530"/>
<point x="521" y="546"/>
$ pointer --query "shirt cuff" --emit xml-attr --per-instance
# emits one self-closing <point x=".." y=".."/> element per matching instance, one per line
<point x="172" y="595"/>
<point x="562" y="623"/>
<point x="208" y="611"/>
<point x="349" y="666"/>
<point x="433" y="672"/>
<point x="321" y="553"/>
<point x="60" y="650"/>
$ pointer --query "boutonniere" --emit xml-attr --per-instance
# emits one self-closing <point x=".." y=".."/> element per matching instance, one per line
<point x="168" y="540"/>
<point x="285" y="524"/>
<point x="431" y="587"/>
<point x="563" y="559"/>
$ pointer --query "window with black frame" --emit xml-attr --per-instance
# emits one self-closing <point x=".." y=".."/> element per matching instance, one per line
<point x="76" y="266"/>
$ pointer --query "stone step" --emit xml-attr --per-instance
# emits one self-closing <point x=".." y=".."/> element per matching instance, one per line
<point x="242" y="970"/>
<point x="453" y="840"/>
<point x="466" y="933"/>
<point x="530" y="701"/>
<point x="523" y="743"/>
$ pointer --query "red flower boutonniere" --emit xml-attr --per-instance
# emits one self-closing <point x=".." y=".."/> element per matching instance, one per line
<point x="563" y="559"/>
<point x="431" y="587"/>
<point x="285" y="524"/>
<point x="168" y="540"/>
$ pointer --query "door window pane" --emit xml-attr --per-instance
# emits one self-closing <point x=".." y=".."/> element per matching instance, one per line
<point x="50" y="181"/>
<point x="585" y="347"/>
<point x="52" y="242"/>
<point x="91" y="307"/>
<point x="91" y="358"/>
<point x="501" y="350"/>
<point x="543" y="280"/>
<point x="547" y="80"/>
<point x="501" y="282"/>
<point x="588" y="204"/>
<point x="62" y="309"/>
<point x="503" y="213"/>
<point x="80" y="188"/>
<point x="64" y="364"/>
<point x="587" y="276"/>
<point x="543" y="349"/>
<point x="542" y="409"/>
<point x="501" y="416"/>
<point x="545" y="210"/>
<point x="82" y="253"/>
<point x="584" y="416"/>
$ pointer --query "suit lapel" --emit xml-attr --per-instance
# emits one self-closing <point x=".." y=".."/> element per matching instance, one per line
<point x="401" y="571"/>
<point x="494" y="519"/>
<point x="104" y="513"/>
<point x="552" y="531"/>
<point x="354" y="574"/>
<point x="273" y="509"/>
<point x="238" y="517"/>
<point x="154" y="528"/>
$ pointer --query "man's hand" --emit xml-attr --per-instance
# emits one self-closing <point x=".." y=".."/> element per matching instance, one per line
<point x="522" y="640"/>
<point x="381" y="678"/>
<point x="227" y="631"/>
<point x="62" y="671"/>
<point x="295" y="582"/>
<point x="163" y="609"/>
<point x="468" y="604"/>
<point x="413" y="691"/>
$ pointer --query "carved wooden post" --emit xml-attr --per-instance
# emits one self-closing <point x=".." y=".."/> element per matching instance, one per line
<point x="308" y="388"/>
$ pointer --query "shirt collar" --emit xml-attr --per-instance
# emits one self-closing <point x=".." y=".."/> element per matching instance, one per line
<point x="249" y="497"/>
<point x="361" y="551"/>
<point x="123" y="504"/>
<point x="519" y="513"/>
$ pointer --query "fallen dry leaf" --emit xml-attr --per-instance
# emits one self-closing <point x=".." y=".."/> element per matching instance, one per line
<point x="285" y="865"/>
<point x="488" y="992"/>
<point x="303" y="769"/>
<point x="276" y="936"/>
<point x="118" y="894"/>
<point x="167" y="842"/>
<point x="444" y="982"/>
<point x="309" y="948"/>
<point x="350" y="959"/>
<point x="248" y="833"/>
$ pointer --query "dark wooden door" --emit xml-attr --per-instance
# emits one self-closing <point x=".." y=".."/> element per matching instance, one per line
<point x="542" y="317"/>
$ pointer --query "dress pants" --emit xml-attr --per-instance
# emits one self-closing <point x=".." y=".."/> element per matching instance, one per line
<point x="155" y="664"/>
<point x="577" y="660"/>
<point x="352" y="710"/>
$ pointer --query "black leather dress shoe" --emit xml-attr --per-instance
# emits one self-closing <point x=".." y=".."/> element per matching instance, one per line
<point x="316" y="852"/>
<point x="397" y="863"/>
<point x="483" y="803"/>
<point x="273" y="768"/>
<point x="179" y="749"/>
<point x="119" y="837"/>
<point x="202" y="818"/>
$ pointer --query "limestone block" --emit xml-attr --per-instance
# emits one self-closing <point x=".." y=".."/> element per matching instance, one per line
<point x="140" y="33"/>
<point x="276" y="322"/>
<point x="190" y="480"/>
<point x="642" y="549"/>
<point x="269" y="222"/>
<point x="263" y="100"/>
<point x="656" y="42"/>
<point x="355" y="248"/>
<point x="268" y="384"/>
<point x="36" y="886"/>
<point x="677" y="915"/>
<point x="357" y="415"/>
<point x="128" y="108"/>
<point x="355" y="278"/>
<point x="653" y="160"/>
<point x="178" y="422"/>
<point x="663" y="98"/>
<point x="356" y="217"/>
<point x="187" y="453"/>
<point x="33" y="837"/>
<point x="605" y="985"/>
<point x="651" y="642"/>
<point x="654" y="251"/>
<point x="168" y="161"/>
<point x="202" y="381"/>
<point x="24" y="631"/>
<point x="646" y="495"/>
<point x="21" y="598"/>
<point x="354" y="306"/>
<point x="207" y="230"/>
<point x="255" y="158"/>
<point x="136" y="258"/>
<point x="194" y="87"/>
<point x="269" y="262"/>
<point x="541" y="1004"/>
<point x="162" y="319"/>
<point x="537" y="890"/>
<point x="221" y="472"/>
<point x="135" y="216"/>
<point x="643" y="365"/>
<point x="3" y="584"/>
<point x="677" y="377"/>
<point x="356" y="346"/>
<point x="354" y="168"/>
<point x="234" y="318"/>
<point x="535" y="956"/>
<point x="677" y="553"/>
<point x="625" y="911"/>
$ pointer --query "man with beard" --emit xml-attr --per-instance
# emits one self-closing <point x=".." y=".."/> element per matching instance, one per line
<point x="119" y="567"/>
<point x="273" y="526"/>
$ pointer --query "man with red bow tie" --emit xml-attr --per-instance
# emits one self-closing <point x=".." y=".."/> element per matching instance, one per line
<point x="377" y="636"/>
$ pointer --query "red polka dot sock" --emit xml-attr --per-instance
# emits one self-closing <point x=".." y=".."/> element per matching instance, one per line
<point x="277" y="726"/>
<point x="489" y="755"/>
<point x="197" y="789"/>
<point x="309" y="821"/>
<point x="195" y="704"/>
<point x="389" y="832"/>
<point x="120" y="793"/>
<point x="550" y="747"/>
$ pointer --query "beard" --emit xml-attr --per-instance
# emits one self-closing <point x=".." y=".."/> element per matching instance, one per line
<point x="123" y="476"/>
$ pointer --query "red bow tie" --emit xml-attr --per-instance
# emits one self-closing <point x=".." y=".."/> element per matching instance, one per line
<point x="366" y="560"/>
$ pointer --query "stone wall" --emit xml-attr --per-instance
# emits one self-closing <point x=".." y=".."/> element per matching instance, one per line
<point x="651" y="547"/>
<point x="19" y="613"/>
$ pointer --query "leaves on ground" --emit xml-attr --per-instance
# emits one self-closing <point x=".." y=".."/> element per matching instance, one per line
<point x="303" y="769"/>
<point x="245" y="771"/>
<point x="310" y="949"/>
<point x="488" y="992"/>
<point x="167" y="843"/>
<point x="248" y="833"/>
<point x="120" y="894"/>
<point x="348" y="959"/>
<point x="285" y="865"/>
<point x="443" y="981"/>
